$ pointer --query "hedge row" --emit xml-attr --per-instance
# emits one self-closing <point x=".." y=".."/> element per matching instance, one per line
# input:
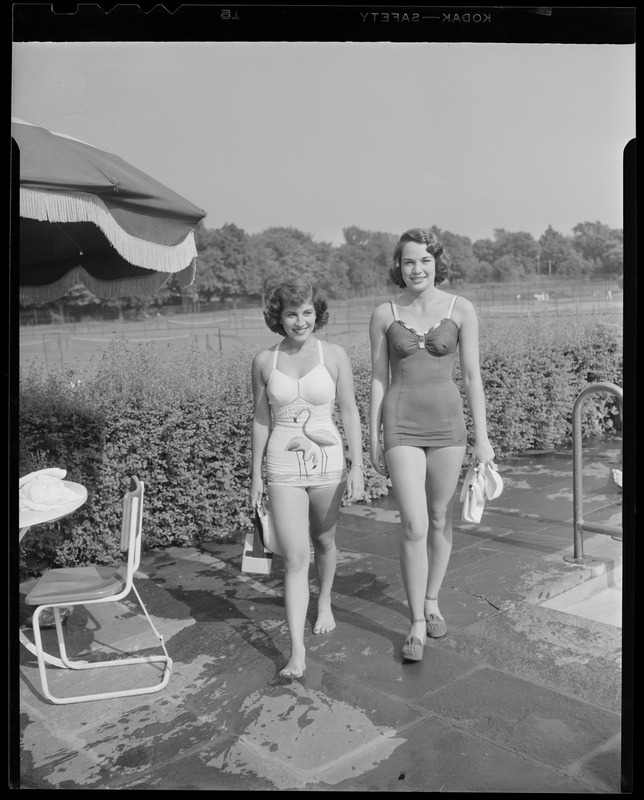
<point x="181" y="422"/>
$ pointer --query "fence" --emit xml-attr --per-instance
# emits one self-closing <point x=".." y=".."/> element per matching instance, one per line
<point x="72" y="344"/>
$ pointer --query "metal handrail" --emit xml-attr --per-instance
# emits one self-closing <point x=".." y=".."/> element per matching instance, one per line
<point x="579" y="524"/>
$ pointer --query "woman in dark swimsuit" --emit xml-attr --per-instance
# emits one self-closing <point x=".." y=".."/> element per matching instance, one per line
<point x="418" y="337"/>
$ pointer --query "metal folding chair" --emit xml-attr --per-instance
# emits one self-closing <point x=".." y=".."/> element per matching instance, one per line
<point x="85" y="586"/>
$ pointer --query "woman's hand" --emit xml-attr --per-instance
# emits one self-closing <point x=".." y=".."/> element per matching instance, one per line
<point x="483" y="451"/>
<point x="355" y="483"/>
<point x="378" y="460"/>
<point x="256" y="492"/>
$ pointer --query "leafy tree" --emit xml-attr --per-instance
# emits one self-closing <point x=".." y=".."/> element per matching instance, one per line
<point x="600" y="245"/>
<point x="205" y="282"/>
<point x="507" y="268"/>
<point x="482" y="273"/>
<point x="265" y="267"/>
<point x="554" y="249"/>
<point x="367" y="255"/>
<point x="171" y="293"/>
<point x="559" y="257"/>
<point x="279" y="254"/>
<point x="233" y="264"/>
<point x="355" y="236"/>
<point x="574" y="265"/>
<point x="359" y="263"/>
<point x="512" y="254"/>
<point x="222" y="262"/>
<point x="383" y="247"/>
<point x="521" y="247"/>
<point x="463" y="262"/>
<point x="331" y="273"/>
<point x="613" y="260"/>
<point x="484" y="250"/>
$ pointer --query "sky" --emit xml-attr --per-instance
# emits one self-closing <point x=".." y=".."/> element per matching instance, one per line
<point x="321" y="136"/>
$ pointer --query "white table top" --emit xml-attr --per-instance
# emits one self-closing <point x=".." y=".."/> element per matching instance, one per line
<point x="29" y="517"/>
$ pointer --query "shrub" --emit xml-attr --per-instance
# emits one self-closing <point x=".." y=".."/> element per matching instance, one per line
<point x="534" y="369"/>
<point x="182" y="423"/>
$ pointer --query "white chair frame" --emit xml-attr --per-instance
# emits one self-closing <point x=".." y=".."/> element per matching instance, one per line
<point x="131" y="532"/>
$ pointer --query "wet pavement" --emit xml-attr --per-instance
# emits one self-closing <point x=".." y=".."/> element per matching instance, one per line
<point x="519" y="697"/>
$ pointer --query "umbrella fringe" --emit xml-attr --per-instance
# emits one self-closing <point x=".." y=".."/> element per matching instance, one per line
<point x="106" y="290"/>
<point x="56" y="207"/>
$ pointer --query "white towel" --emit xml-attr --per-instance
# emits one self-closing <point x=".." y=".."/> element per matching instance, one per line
<point x="482" y="482"/>
<point x="493" y="481"/>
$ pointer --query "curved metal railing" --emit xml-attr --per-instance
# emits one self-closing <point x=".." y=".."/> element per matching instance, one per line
<point x="581" y="525"/>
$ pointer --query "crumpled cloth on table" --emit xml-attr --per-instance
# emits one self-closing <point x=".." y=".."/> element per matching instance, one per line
<point x="43" y="490"/>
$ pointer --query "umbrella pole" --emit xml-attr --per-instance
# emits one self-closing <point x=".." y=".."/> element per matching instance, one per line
<point x="44" y="349"/>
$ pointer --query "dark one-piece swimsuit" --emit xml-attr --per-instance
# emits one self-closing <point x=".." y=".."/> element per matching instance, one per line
<point x="423" y="406"/>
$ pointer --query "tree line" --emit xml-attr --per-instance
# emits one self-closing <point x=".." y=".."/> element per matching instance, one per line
<point x="233" y="265"/>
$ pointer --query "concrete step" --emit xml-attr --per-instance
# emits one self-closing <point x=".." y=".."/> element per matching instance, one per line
<point x="599" y="598"/>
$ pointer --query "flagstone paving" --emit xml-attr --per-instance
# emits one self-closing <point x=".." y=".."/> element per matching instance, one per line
<point x="519" y="697"/>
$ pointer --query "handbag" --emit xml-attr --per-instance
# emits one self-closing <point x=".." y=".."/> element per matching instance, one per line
<point x="482" y="482"/>
<point x="257" y="555"/>
<point x="266" y="528"/>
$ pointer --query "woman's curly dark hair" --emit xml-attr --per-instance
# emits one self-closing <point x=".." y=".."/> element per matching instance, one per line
<point x="433" y="246"/>
<point x="294" y="293"/>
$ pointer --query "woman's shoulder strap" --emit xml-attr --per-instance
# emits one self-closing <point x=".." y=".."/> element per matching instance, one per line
<point x="275" y="352"/>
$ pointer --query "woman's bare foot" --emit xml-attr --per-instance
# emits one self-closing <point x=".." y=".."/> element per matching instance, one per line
<point x="294" y="669"/>
<point x="325" y="622"/>
<point x="296" y="665"/>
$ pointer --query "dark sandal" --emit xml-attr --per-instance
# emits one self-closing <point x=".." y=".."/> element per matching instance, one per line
<point x="413" y="648"/>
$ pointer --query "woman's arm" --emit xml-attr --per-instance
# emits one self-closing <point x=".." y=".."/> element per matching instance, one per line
<point x="379" y="386"/>
<point x="260" y="430"/>
<point x="345" y="390"/>
<point x="472" y="382"/>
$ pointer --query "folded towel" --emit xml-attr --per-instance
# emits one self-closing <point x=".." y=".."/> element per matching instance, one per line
<point x="482" y="482"/>
<point x="493" y="481"/>
<point x="44" y="490"/>
<point x="473" y="502"/>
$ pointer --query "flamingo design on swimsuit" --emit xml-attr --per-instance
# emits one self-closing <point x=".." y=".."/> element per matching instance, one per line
<point x="321" y="438"/>
<point x="304" y="451"/>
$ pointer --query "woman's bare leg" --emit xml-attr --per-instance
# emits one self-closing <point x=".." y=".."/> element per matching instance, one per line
<point x="407" y="466"/>
<point x="443" y="470"/>
<point x="290" y="511"/>
<point x="324" y="511"/>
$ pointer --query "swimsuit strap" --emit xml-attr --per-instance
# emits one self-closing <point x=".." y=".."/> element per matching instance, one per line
<point x="451" y="306"/>
<point x="320" y="351"/>
<point x="393" y="310"/>
<point x="277" y="349"/>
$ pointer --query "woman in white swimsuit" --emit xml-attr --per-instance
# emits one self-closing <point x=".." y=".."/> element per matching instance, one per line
<point x="295" y="384"/>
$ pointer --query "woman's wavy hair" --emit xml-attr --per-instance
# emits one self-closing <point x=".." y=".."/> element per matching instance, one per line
<point x="294" y="293"/>
<point x="433" y="246"/>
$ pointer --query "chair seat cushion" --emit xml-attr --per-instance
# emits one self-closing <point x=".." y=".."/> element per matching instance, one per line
<point x="76" y="584"/>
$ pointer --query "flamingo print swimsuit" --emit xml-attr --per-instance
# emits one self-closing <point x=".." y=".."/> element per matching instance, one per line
<point x="304" y="447"/>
